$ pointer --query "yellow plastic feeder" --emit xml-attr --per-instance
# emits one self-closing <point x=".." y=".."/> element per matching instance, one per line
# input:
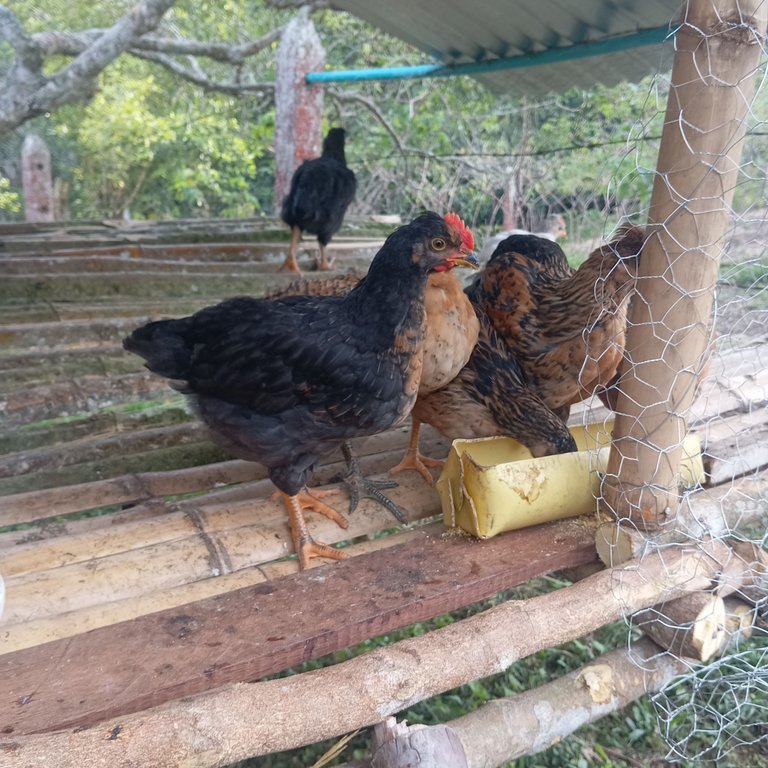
<point x="492" y="485"/>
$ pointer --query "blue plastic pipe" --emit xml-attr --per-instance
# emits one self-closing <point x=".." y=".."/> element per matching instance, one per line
<point x="551" y="56"/>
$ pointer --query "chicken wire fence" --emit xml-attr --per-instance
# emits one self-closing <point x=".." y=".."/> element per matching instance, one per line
<point x="720" y="704"/>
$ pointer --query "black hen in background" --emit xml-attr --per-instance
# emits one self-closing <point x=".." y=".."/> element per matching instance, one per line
<point x="321" y="191"/>
<point x="286" y="381"/>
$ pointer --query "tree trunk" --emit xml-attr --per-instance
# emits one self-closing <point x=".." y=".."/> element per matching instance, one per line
<point x="298" y="106"/>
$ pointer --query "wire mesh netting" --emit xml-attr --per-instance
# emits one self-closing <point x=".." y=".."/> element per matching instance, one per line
<point x="694" y="363"/>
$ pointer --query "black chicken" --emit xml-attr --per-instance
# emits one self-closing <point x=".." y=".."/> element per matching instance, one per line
<point x="285" y="381"/>
<point x="321" y="191"/>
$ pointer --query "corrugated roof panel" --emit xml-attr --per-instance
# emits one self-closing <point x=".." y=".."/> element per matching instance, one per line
<point x="456" y="31"/>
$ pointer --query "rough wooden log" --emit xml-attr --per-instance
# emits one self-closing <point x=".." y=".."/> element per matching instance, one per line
<point x="748" y="557"/>
<point x="739" y="620"/>
<point x="736" y="446"/>
<point x="396" y="745"/>
<point x="713" y="512"/>
<point x="693" y="626"/>
<point x="244" y="720"/>
<point x="528" y="723"/>
<point x="717" y="54"/>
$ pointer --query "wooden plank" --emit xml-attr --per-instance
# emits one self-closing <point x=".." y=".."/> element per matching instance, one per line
<point x="736" y="446"/>
<point x="46" y="629"/>
<point x="376" y="454"/>
<point x="260" y="630"/>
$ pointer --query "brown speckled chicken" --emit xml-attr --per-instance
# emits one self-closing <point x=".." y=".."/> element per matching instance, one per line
<point x="285" y="381"/>
<point x="451" y="333"/>
<point x="566" y="327"/>
<point x="490" y="397"/>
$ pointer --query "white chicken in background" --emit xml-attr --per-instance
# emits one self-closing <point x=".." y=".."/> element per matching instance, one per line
<point x="554" y="230"/>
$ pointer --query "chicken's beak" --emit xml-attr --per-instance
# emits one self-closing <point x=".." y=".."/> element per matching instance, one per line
<point x="465" y="259"/>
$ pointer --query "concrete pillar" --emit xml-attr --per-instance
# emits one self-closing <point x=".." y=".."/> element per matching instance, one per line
<point x="299" y="107"/>
<point x="36" y="179"/>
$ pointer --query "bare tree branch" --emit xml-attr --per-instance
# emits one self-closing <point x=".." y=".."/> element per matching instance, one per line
<point x="28" y="92"/>
<point x="376" y="112"/>
<point x="198" y="77"/>
<point x="74" y="43"/>
<point x="25" y="75"/>
<point x="84" y="68"/>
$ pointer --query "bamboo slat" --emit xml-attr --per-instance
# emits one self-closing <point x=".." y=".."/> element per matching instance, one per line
<point x="44" y="630"/>
<point x="128" y="489"/>
<point x="148" y="556"/>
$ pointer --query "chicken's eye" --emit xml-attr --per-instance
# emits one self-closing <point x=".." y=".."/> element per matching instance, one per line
<point x="438" y="244"/>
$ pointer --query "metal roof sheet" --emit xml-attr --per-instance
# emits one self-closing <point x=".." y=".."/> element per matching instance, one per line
<point x="458" y="32"/>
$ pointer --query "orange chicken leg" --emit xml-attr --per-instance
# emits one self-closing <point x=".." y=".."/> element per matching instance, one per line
<point x="324" y="264"/>
<point x="306" y="547"/>
<point x="290" y="264"/>
<point x="413" y="459"/>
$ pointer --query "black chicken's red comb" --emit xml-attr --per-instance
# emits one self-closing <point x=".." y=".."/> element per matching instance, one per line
<point x="454" y="221"/>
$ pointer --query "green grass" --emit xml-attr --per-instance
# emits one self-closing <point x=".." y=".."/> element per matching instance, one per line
<point x="750" y="275"/>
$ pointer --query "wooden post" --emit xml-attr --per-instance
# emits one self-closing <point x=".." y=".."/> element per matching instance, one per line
<point x="298" y="106"/>
<point x="717" y="54"/>
<point x="36" y="179"/>
<point x="509" y="201"/>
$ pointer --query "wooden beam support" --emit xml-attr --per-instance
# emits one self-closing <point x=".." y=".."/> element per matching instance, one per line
<point x="718" y="49"/>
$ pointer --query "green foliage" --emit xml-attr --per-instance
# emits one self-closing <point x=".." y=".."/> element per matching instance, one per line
<point x="160" y="147"/>
<point x="10" y="203"/>
<point x="750" y="275"/>
<point x="165" y="158"/>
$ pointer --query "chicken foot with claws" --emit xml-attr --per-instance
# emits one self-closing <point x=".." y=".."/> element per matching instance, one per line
<point x="306" y="547"/>
<point x="360" y="486"/>
<point x="413" y="459"/>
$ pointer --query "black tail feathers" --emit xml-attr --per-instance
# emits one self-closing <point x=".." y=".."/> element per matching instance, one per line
<point x="164" y="347"/>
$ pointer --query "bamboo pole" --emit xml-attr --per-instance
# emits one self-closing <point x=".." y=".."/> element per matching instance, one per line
<point x="717" y="54"/>
<point x="44" y="629"/>
<point x="85" y="571"/>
